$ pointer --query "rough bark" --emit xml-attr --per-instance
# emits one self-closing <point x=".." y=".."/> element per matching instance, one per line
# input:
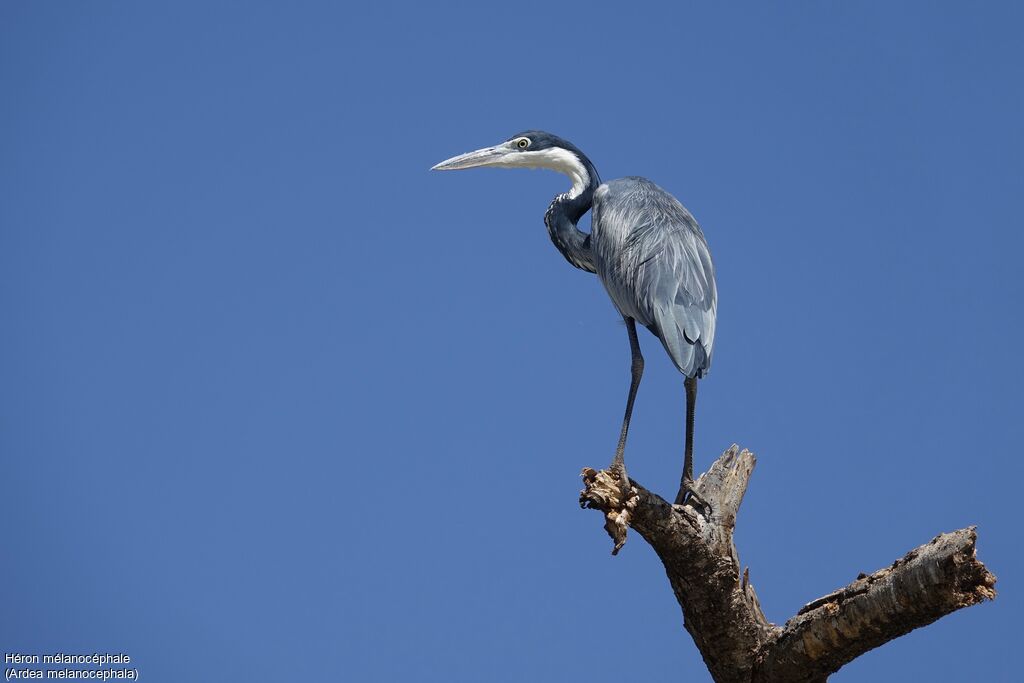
<point x="720" y="607"/>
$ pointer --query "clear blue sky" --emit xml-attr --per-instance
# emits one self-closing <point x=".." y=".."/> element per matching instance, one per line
<point x="279" y="404"/>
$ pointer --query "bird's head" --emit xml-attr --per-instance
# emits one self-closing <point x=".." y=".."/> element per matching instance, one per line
<point x="530" y="149"/>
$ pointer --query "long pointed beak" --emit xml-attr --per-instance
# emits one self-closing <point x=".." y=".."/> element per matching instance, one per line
<point x="488" y="156"/>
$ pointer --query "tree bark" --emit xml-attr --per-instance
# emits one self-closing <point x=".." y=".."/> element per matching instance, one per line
<point x="720" y="607"/>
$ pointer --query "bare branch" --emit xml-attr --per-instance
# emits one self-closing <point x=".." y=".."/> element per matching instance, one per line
<point x="723" y="617"/>
<point x="720" y="607"/>
<point x="929" y="582"/>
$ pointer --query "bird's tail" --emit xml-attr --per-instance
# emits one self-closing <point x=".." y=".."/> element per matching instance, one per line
<point x="689" y="356"/>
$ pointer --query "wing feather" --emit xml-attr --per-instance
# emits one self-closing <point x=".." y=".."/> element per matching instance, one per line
<point x="654" y="261"/>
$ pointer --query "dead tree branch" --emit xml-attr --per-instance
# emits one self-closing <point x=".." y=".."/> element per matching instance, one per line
<point x="721" y="610"/>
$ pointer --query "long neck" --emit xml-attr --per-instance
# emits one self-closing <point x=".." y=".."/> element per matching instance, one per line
<point x="566" y="210"/>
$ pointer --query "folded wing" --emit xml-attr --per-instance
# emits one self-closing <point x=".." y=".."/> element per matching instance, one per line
<point x="654" y="261"/>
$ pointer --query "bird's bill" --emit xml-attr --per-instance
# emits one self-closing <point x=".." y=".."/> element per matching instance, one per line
<point x="488" y="156"/>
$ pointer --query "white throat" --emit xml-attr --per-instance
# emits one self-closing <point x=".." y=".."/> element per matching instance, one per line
<point x="554" y="159"/>
<point x="565" y="162"/>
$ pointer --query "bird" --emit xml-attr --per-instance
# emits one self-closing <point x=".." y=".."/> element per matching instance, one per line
<point x="647" y="250"/>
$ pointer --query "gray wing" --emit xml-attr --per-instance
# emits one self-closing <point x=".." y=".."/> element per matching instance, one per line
<point x="655" y="264"/>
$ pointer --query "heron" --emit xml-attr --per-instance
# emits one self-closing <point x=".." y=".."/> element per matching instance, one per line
<point x="647" y="250"/>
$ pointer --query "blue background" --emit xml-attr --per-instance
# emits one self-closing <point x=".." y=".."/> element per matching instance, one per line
<point x="279" y="404"/>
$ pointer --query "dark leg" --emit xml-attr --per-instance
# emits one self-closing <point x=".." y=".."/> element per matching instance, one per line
<point x="637" y="371"/>
<point x="686" y="482"/>
<point x="691" y="407"/>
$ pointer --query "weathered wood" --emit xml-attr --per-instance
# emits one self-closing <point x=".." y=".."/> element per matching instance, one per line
<point x="929" y="582"/>
<point x="721" y="610"/>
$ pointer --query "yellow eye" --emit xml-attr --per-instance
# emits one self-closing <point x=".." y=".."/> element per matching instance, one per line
<point x="522" y="143"/>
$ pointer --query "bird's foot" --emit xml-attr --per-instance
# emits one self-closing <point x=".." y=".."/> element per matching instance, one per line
<point x="688" y="496"/>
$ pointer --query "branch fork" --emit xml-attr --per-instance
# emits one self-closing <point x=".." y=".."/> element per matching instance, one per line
<point x="721" y="610"/>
